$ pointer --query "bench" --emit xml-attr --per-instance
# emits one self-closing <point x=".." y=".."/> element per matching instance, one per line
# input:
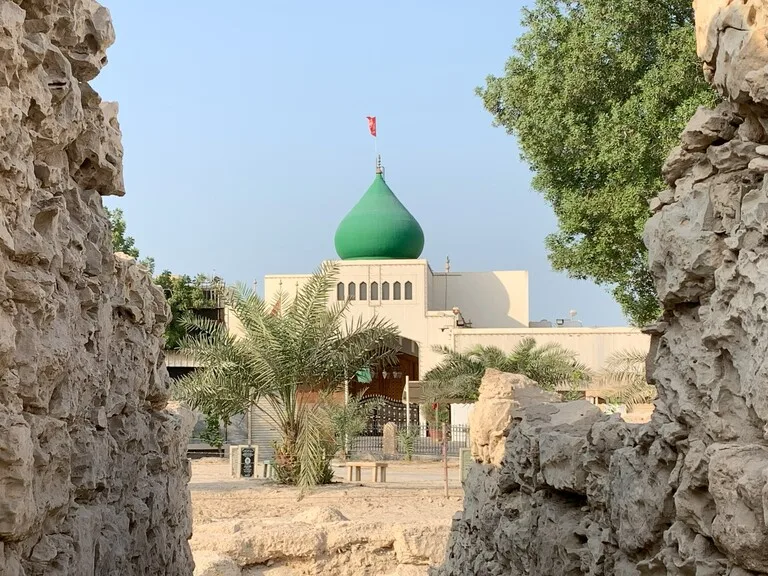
<point x="378" y="471"/>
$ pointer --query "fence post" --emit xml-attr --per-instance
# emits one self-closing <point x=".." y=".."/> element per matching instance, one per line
<point x="407" y="405"/>
<point x="445" y="458"/>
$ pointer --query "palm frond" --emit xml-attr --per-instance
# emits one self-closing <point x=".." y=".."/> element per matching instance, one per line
<point x="624" y="379"/>
<point x="459" y="374"/>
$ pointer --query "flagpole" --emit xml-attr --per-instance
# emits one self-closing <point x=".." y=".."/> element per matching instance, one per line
<point x="376" y="144"/>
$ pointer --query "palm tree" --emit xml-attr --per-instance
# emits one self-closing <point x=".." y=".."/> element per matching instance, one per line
<point x="459" y="374"/>
<point x="286" y="351"/>
<point x="624" y="379"/>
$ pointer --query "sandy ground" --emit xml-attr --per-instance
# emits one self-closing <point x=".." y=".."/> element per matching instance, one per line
<point x="397" y="528"/>
<point x="413" y="491"/>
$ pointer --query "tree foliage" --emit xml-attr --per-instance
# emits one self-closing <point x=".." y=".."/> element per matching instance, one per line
<point x="185" y="296"/>
<point x="123" y="243"/>
<point x="459" y="374"/>
<point x="287" y="351"/>
<point x="212" y="434"/>
<point x="596" y="94"/>
<point x="120" y="241"/>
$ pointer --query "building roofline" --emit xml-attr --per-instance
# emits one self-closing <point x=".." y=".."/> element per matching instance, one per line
<point x="553" y="330"/>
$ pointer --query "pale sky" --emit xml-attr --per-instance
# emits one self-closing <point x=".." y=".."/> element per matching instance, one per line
<point x="246" y="141"/>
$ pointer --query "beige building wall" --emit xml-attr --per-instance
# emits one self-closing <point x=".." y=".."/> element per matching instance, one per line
<point x="234" y="326"/>
<point x="487" y="299"/>
<point x="409" y="315"/>
<point x="594" y="346"/>
<point x="415" y="322"/>
<point x="495" y="302"/>
<point x="286" y="283"/>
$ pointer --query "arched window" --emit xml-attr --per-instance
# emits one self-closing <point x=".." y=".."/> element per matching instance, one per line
<point x="374" y="290"/>
<point x="363" y="291"/>
<point x="340" y="291"/>
<point x="396" y="291"/>
<point x="385" y="290"/>
<point x="351" y="291"/>
<point x="408" y="291"/>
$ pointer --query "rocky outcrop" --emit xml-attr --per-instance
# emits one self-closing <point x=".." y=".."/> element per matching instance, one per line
<point x="92" y="467"/>
<point x="318" y="541"/>
<point x="579" y="492"/>
<point x="500" y="395"/>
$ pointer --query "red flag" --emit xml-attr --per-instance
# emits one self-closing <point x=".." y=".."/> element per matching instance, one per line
<point x="372" y="125"/>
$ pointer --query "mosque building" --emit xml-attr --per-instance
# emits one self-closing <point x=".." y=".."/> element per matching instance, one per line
<point x="381" y="272"/>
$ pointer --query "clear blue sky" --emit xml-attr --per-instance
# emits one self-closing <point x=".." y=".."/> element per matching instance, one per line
<point x="246" y="141"/>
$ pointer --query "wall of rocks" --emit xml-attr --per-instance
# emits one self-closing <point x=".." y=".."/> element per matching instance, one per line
<point x="579" y="492"/>
<point x="92" y="467"/>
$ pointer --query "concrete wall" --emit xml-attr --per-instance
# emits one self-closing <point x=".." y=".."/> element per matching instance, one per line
<point x="495" y="302"/>
<point x="460" y="414"/>
<point x="409" y="315"/>
<point x="487" y="299"/>
<point x="593" y="346"/>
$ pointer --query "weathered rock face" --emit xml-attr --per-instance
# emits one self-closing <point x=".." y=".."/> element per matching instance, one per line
<point x="501" y="394"/>
<point x="318" y="541"/>
<point x="92" y="468"/>
<point x="686" y="494"/>
<point x="730" y="39"/>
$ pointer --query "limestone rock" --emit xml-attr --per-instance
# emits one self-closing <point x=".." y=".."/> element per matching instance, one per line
<point x="547" y="444"/>
<point x="409" y="570"/>
<point x="210" y="564"/>
<point x="421" y="545"/>
<point x="92" y="458"/>
<point x="706" y="127"/>
<point x="731" y="42"/>
<point x="319" y="515"/>
<point x="738" y="482"/>
<point x="685" y="494"/>
<point x="500" y="395"/>
<point x="327" y="549"/>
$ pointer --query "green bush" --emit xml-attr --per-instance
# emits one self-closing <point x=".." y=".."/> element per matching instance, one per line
<point x="212" y="433"/>
<point x="406" y="443"/>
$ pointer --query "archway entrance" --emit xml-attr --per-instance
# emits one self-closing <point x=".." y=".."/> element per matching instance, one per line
<point x="390" y="382"/>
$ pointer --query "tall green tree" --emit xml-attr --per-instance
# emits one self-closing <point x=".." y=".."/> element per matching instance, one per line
<point x="596" y="94"/>
<point x="458" y="374"/>
<point x="121" y="242"/>
<point x="288" y="349"/>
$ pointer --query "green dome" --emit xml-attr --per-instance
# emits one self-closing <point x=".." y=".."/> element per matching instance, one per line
<point x="379" y="227"/>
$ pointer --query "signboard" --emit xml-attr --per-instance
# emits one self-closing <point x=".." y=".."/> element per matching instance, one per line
<point x="465" y="461"/>
<point x="247" y="457"/>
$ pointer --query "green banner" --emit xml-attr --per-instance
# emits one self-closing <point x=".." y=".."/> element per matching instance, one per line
<point x="364" y="376"/>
